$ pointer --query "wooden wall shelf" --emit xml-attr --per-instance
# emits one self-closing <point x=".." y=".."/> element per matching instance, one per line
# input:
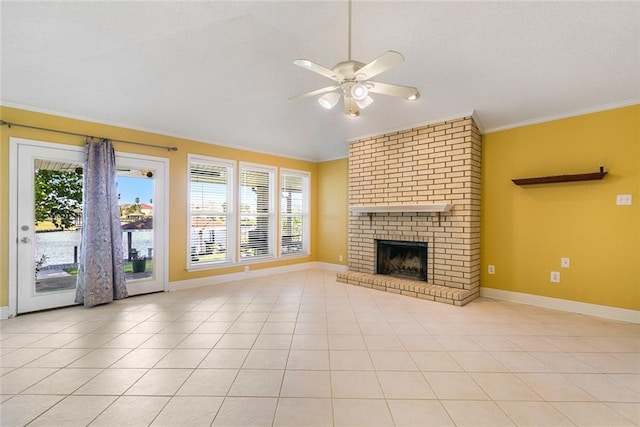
<point x="560" y="178"/>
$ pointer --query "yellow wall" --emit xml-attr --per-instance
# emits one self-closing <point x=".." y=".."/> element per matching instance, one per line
<point x="526" y="230"/>
<point x="332" y="210"/>
<point x="177" y="182"/>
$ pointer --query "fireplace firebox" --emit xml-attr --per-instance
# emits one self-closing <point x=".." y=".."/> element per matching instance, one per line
<point x="402" y="259"/>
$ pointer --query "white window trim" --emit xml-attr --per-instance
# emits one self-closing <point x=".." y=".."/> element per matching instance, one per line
<point x="273" y="247"/>
<point x="306" y="223"/>
<point x="231" y="213"/>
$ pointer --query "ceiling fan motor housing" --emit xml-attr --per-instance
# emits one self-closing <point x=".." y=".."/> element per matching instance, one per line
<point x="346" y="70"/>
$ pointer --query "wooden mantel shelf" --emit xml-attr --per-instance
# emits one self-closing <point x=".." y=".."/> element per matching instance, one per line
<point x="425" y="207"/>
<point x="560" y="178"/>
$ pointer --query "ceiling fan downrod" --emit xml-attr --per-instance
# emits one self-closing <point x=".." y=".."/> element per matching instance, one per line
<point x="349" y="37"/>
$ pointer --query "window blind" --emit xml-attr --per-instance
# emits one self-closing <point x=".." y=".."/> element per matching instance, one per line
<point x="294" y="205"/>
<point x="210" y="220"/>
<point x="256" y="211"/>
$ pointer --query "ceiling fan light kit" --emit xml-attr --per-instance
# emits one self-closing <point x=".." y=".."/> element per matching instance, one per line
<point x="329" y="100"/>
<point x="364" y="103"/>
<point x="353" y="81"/>
<point x="359" y="91"/>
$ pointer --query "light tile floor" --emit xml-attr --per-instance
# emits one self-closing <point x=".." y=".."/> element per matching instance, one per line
<point x="302" y="349"/>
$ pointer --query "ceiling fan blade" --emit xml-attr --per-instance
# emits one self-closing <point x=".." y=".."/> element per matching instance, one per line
<point x="350" y="107"/>
<point x="382" y="63"/>
<point x="315" y="92"/>
<point x="406" y="92"/>
<point x="312" y="66"/>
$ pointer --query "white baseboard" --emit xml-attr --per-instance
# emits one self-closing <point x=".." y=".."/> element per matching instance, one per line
<point x="231" y="277"/>
<point x="330" y="267"/>
<point x="4" y="312"/>
<point x="596" y="310"/>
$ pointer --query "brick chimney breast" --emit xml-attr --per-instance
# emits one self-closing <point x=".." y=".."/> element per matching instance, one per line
<point x="436" y="163"/>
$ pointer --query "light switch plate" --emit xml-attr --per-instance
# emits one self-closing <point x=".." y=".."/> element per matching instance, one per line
<point x="565" y="262"/>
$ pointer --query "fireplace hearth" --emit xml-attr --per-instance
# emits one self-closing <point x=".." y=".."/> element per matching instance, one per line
<point x="402" y="259"/>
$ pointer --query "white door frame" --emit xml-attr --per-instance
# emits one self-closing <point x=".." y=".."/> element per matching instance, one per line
<point x="13" y="213"/>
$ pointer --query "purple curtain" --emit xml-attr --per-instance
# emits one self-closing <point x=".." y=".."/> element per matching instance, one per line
<point x="101" y="276"/>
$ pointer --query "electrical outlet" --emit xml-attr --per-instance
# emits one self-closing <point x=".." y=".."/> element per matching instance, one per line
<point x="565" y="262"/>
<point x="340" y="258"/>
<point x="555" y="277"/>
<point x="491" y="269"/>
<point x="246" y="268"/>
<point x="623" y="199"/>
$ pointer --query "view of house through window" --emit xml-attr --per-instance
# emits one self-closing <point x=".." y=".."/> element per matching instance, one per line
<point x="294" y="212"/>
<point x="135" y="202"/>
<point x="256" y="211"/>
<point x="58" y="223"/>
<point x="233" y="221"/>
<point x="211" y="219"/>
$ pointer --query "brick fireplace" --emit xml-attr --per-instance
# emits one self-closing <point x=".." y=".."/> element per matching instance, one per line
<point x="418" y="185"/>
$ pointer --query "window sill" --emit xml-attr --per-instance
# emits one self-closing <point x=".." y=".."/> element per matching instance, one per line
<point x="246" y="262"/>
<point x="211" y="266"/>
<point x="295" y="255"/>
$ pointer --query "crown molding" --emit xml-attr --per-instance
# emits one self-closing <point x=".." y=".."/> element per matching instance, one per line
<point x="566" y="115"/>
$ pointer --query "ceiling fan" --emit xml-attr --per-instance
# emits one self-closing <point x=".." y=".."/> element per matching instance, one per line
<point x="353" y="81"/>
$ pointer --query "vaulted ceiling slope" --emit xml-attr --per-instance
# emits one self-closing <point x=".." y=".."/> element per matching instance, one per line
<point x="222" y="72"/>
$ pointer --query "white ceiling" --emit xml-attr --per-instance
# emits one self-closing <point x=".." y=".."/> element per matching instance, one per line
<point x="222" y="72"/>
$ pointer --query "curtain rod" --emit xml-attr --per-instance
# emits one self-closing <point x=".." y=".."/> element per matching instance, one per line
<point x="164" y="147"/>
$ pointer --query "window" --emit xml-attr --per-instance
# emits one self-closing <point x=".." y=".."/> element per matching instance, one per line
<point x="294" y="212"/>
<point x="211" y="219"/>
<point x="232" y="213"/>
<point x="257" y="211"/>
